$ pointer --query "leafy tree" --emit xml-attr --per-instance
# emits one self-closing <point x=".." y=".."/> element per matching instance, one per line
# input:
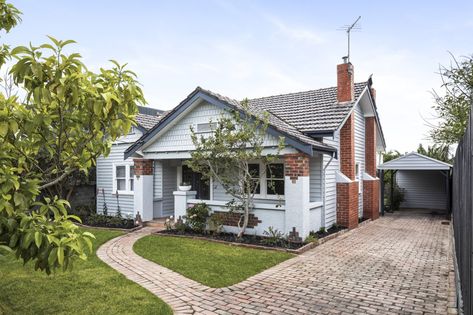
<point x="68" y="116"/>
<point x="236" y="142"/>
<point x="436" y="151"/>
<point x="453" y="108"/>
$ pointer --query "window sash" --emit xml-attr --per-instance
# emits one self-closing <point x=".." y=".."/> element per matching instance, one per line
<point x="123" y="178"/>
<point x="274" y="174"/>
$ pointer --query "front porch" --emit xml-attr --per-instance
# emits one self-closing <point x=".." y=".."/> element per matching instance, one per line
<point x="298" y="201"/>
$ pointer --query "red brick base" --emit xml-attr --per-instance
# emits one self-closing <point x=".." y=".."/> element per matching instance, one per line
<point x="347" y="204"/>
<point x="232" y="218"/>
<point x="371" y="199"/>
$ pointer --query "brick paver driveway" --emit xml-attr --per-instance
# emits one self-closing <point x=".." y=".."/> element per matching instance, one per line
<point x="398" y="264"/>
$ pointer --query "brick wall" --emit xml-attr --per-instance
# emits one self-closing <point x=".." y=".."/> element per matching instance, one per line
<point x="143" y="167"/>
<point x="347" y="204"/>
<point x="345" y="82"/>
<point x="347" y="148"/>
<point x="371" y="199"/>
<point x="232" y="218"/>
<point x="370" y="146"/>
<point x="295" y="165"/>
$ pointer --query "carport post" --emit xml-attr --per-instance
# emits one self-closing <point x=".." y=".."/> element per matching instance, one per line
<point x="381" y="176"/>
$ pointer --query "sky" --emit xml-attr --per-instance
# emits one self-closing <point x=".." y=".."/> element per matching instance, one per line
<point x="260" y="48"/>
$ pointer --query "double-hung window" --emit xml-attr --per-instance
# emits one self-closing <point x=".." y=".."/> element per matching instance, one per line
<point x="271" y="182"/>
<point x="123" y="178"/>
<point x="275" y="179"/>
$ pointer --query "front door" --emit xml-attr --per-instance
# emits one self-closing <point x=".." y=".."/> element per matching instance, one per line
<point x="198" y="184"/>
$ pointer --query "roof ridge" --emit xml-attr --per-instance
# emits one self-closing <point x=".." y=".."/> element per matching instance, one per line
<point x="301" y="92"/>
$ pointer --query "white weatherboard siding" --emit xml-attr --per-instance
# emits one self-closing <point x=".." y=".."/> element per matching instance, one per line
<point x="158" y="190"/>
<point x="169" y="186"/>
<point x="105" y="181"/>
<point x="315" y="174"/>
<point x="331" y="182"/>
<point x="423" y="189"/>
<point x="360" y="152"/>
<point x="178" y="137"/>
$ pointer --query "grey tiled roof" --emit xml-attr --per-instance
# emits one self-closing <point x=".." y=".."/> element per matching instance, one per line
<point x="274" y="121"/>
<point x="148" y="117"/>
<point x="309" y="111"/>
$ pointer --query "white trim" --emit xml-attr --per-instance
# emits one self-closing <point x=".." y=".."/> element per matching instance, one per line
<point x="256" y="206"/>
<point x="127" y="191"/>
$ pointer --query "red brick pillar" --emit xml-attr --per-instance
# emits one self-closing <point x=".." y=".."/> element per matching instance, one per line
<point x="347" y="192"/>
<point x="295" y="165"/>
<point x="370" y="186"/>
<point x="347" y="204"/>
<point x="143" y="167"/>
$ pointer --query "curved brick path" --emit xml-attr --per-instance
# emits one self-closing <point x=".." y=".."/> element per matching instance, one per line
<point x="399" y="264"/>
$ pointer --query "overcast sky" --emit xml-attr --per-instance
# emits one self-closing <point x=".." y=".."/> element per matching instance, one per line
<point x="260" y="48"/>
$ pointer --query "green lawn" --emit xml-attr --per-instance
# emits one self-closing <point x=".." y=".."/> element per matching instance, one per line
<point x="91" y="288"/>
<point x="212" y="264"/>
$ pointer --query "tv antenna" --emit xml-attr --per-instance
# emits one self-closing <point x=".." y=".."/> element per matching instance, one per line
<point x="348" y="29"/>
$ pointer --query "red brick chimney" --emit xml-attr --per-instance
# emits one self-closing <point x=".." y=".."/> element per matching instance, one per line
<point x="345" y="82"/>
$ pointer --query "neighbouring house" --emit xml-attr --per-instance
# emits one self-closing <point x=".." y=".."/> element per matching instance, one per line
<point x="115" y="175"/>
<point x="326" y="171"/>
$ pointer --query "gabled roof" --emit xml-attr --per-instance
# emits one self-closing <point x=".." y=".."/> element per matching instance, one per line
<point x="277" y="127"/>
<point x="414" y="161"/>
<point x="310" y="111"/>
<point x="148" y="117"/>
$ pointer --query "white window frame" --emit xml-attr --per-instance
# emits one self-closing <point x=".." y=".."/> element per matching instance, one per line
<point x="212" y="126"/>
<point x="359" y="176"/>
<point x="127" y="191"/>
<point x="262" y="182"/>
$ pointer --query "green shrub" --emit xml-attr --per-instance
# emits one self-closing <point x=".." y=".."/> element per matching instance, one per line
<point x="216" y="223"/>
<point x="311" y="238"/>
<point x="273" y="237"/>
<point x="322" y="230"/>
<point x="197" y="216"/>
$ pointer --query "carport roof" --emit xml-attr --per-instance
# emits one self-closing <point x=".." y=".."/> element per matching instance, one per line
<point x="414" y="161"/>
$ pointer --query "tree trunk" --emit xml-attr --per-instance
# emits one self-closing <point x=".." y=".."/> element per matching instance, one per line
<point x="245" y="220"/>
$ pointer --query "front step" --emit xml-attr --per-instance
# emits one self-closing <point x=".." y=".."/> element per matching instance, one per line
<point x="157" y="223"/>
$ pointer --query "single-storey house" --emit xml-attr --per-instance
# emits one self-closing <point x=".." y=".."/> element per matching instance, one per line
<point x="327" y="168"/>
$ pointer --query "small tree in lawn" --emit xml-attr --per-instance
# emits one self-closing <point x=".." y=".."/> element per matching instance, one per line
<point x="236" y="141"/>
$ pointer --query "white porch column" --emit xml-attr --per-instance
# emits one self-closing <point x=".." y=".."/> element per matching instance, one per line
<point x="180" y="202"/>
<point x="297" y="193"/>
<point x="143" y="188"/>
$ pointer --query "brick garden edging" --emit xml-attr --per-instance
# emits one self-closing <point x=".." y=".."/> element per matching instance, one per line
<point x="139" y="227"/>
<point x="298" y="251"/>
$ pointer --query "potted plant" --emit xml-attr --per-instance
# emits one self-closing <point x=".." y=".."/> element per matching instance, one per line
<point x="185" y="186"/>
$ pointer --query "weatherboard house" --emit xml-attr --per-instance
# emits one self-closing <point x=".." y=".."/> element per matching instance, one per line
<point x="325" y="174"/>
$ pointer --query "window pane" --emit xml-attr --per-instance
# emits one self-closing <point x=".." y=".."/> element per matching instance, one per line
<point x="206" y="127"/>
<point x="275" y="187"/>
<point x="131" y="185"/>
<point x="275" y="170"/>
<point x="256" y="182"/>
<point x="253" y="169"/>
<point x="120" y="171"/>
<point x="121" y="183"/>
<point x="132" y="171"/>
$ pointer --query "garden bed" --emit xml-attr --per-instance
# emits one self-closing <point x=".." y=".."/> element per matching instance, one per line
<point x="260" y="242"/>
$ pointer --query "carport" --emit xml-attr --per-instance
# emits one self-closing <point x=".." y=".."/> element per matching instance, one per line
<point x="426" y="181"/>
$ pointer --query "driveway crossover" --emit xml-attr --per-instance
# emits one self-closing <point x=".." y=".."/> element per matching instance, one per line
<point x="398" y="264"/>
